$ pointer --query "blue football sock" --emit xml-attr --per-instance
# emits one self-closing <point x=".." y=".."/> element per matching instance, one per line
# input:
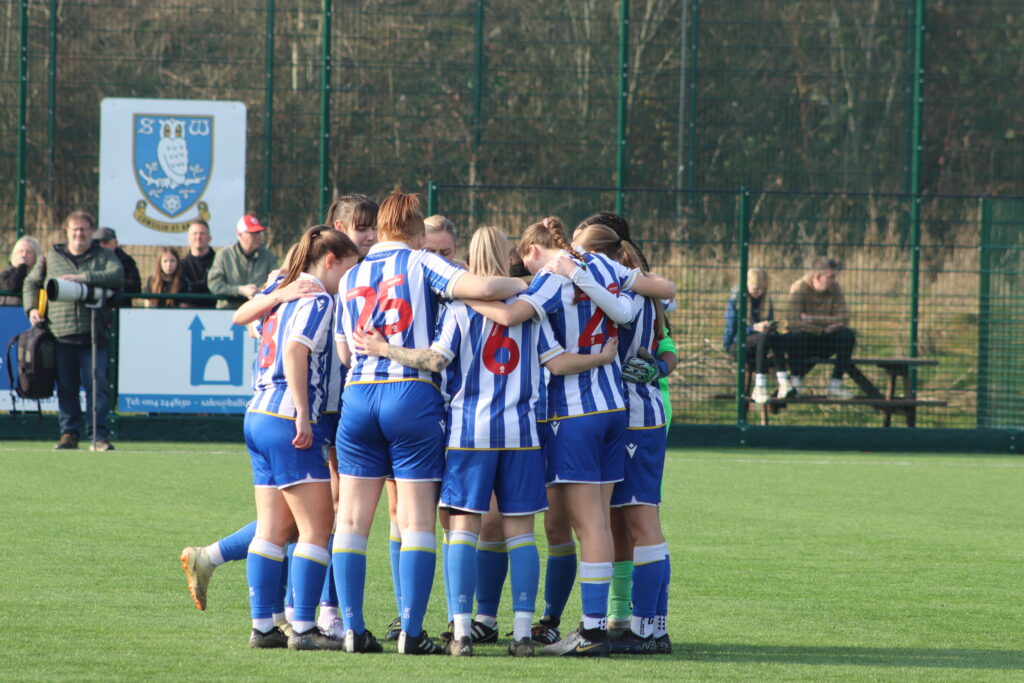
<point x="648" y="570"/>
<point x="444" y="573"/>
<point x="491" y="570"/>
<point x="394" y="550"/>
<point x="416" y="569"/>
<point x="329" y="593"/>
<point x="348" y="561"/>
<point x="524" y="566"/>
<point x="236" y="546"/>
<point x="666" y="579"/>
<point x="595" y="579"/>
<point x="559" y="578"/>
<point x="462" y="571"/>
<point x="307" y="571"/>
<point x="263" y="567"/>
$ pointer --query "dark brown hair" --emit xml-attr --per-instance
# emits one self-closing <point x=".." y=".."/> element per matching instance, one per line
<point x="159" y="285"/>
<point x="602" y="239"/>
<point x="352" y="209"/>
<point x="315" y="244"/>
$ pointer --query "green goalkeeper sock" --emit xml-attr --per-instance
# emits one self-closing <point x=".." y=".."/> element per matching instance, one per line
<point x="618" y="596"/>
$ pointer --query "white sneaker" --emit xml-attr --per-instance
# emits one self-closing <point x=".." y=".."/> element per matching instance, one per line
<point x="332" y="628"/>
<point x="837" y="391"/>
<point x="786" y="389"/>
<point x="759" y="394"/>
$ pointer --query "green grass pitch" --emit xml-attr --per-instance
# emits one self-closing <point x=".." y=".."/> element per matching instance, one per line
<point x="814" y="566"/>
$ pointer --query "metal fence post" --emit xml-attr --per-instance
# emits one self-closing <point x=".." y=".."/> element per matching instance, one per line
<point x="742" y="236"/>
<point x="19" y="211"/>
<point x="431" y="197"/>
<point x="325" y="106"/>
<point x="268" y="112"/>
<point x="620" y="147"/>
<point x="478" y="89"/>
<point x="691" y="145"/>
<point x="51" y="103"/>
<point x="982" y="417"/>
<point x="917" y="96"/>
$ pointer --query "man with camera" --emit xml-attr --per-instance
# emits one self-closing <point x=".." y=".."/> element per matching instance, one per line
<point x="83" y="261"/>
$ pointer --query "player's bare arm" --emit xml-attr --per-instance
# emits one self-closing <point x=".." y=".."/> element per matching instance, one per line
<point x="296" y="365"/>
<point x="372" y="343"/>
<point x="508" y="315"/>
<point x="254" y="309"/>
<point x="575" y="363"/>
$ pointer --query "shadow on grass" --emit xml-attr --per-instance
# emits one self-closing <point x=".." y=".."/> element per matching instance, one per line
<point x="937" y="658"/>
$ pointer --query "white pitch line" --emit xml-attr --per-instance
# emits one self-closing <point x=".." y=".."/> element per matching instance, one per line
<point x="883" y="463"/>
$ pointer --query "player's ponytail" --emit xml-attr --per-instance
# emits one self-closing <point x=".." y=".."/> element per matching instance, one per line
<point x="399" y="217"/>
<point x="488" y="252"/>
<point x="315" y="244"/>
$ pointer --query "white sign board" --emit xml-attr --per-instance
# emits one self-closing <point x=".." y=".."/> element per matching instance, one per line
<point x="166" y="163"/>
<point x="183" y="361"/>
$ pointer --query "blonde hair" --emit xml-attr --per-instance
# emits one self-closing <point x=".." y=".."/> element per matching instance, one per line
<point x="488" y="252"/>
<point x="32" y="242"/>
<point x="439" y="223"/>
<point x="758" y="277"/>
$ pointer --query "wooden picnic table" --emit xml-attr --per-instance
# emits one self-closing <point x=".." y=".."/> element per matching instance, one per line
<point x="887" y="403"/>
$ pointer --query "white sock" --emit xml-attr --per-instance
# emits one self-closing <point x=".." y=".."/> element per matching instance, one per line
<point x="641" y="626"/>
<point x="521" y="625"/>
<point x="263" y="625"/>
<point x="782" y="376"/>
<point x="490" y="622"/>
<point x="796" y="381"/>
<point x="660" y="625"/>
<point x="214" y="554"/>
<point x="462" y="623"/>
<point x="760" y="380"/>
<point x="289" y="613"/>
<point x="302" y="626"/>
<point x="595" y="622"/>
<point x="328" y="613"/>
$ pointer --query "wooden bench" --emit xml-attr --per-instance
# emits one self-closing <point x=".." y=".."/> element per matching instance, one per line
<point x="888" y="404"/>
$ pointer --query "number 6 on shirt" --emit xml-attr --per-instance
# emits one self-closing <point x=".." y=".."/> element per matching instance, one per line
<point x="496" y="340"/>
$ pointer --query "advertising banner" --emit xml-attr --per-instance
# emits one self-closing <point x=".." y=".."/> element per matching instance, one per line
<point x="183" y="361"/>
<point x="166" y="163"/>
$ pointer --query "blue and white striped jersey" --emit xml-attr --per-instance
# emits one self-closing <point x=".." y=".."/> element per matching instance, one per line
<point x="646" y="409"/>
<point x="493" y="378"/>
<point x="396" y="290"/>
<point x="308" y="321"/>
<point x="582" y="328"/>
<point x="336" y="378"/>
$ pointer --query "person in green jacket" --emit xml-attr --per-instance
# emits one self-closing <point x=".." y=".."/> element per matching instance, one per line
<point x="79" y="260"/>
<point x="240" y="271"/>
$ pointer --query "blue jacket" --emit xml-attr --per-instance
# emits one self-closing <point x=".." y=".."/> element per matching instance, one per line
<point x="754" y="315"/>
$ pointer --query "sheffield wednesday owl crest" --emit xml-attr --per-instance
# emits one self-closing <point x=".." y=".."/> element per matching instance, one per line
<point x="173" y="159"/>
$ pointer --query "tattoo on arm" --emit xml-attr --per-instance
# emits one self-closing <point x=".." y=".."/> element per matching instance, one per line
<point x="420" y="359"/>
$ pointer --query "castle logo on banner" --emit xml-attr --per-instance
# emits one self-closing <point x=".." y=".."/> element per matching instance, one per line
<point x="167" y="163"/>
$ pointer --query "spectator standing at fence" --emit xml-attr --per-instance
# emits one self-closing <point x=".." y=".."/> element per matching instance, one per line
<point x="818" y="325"/>
<point x="197" y="263"/>
<point x="760" y="335"/>
<point x="107" y="238"/>
<point x="166" y="279"/>
<point x="239" y="271"/>
<point x="25" y="253"/>
<point x="80" y="260"/>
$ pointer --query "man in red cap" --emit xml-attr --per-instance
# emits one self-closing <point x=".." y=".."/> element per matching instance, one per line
<point x="239" y="271"/>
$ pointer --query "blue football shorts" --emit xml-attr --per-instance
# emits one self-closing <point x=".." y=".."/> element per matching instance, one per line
<point x="516" y="477"/>
<point x="391" y="428"/>
<point x="276" y="463"/>
<point x="645" y="467"/>
<point x="588" y="449"/>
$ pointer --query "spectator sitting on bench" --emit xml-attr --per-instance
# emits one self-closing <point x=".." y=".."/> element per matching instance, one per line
<point x="818" y="326"/>
<point x="760" y="335"/>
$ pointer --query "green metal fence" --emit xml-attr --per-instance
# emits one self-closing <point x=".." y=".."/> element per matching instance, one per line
<point x="864" y="128"/>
